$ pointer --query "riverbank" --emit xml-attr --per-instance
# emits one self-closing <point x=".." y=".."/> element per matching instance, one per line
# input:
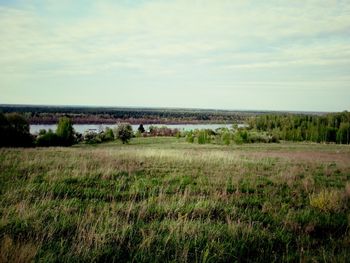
<point x="81" y="128"/>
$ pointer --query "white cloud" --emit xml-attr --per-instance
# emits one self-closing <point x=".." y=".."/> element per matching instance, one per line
<point x="229" y="40"/>
<point x="160" y="32"/>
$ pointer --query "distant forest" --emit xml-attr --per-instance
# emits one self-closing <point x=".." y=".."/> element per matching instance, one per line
<point x="332" y="127"/>
<point x="96" y="115"/>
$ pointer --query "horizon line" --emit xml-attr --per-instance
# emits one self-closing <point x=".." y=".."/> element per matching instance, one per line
<point x="160" y="107"/>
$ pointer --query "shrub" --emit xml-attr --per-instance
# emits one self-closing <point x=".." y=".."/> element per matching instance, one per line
<point x="238" y="138"/>
<point x="91" y="138"/>
<point x="190" y="137"/>
<point x="204" y="136"/>
<point x="107" y="135"/>
<point x="124" y="132"/>
<point x="178" y="135"/>
<point x="327" y="200"/>
<point x="254" y="137"/>
<point x="47" y="138"/>
<point x="226" y="138"/>
<point x="162" y="131"/>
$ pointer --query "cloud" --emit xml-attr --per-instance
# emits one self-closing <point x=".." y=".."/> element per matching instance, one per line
<point x="135" y="37"/>
<point x="189" y="41"/>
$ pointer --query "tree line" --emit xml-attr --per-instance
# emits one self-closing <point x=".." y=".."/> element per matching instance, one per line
<point x="226" y="136"/>
<point x="332" y="127"/>
<point x="15" y="132"/>
<point x="83" y="115"/>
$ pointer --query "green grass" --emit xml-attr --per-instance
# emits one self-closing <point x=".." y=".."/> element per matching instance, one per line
<point x="162" y="199"/>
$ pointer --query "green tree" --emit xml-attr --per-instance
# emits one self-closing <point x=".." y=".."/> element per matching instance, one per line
<point x="14" y="131"/>
<point x="65" y="131"/>
<point x="124" y="132"/>
<point x="4" y="130"/>
<point x="343" y="134"/>
<point x="141" y="129"/>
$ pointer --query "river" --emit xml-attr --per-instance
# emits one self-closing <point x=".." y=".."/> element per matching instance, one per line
<point x="81" y="128"/>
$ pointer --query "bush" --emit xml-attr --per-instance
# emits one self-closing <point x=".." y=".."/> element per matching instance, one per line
<point x="162" y="131"/>
<point x="124" y="132"/>
<point x="226" y="138"/>
<point x="190" y="137"/>
<point x="47" y="138"/>
<point x="104" y="136"/>
<point x="204" y="136"/>
<point x="107" y="135"/>
<point x="238" y="138"/>
<point x="91" y="138"/>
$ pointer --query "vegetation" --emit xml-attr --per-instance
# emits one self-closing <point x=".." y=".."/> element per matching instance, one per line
<point x="104" y="136"/>
<point x="14" y="131"/>
<point x="124" y="132"/>
<point x="334" y="127"/>
<point x="161" y="131"/>
<point x="50" y="114"/>
<point x="64" y="135"/>
<point x="226" y="136"/>
<point x="141" y="129"/>
<point x="65" y="131"/>
<point x="162" y="199"/>
<point x="47" y="139"/>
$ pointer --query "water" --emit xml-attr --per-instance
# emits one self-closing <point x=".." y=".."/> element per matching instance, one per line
<point x="81" y="128"/>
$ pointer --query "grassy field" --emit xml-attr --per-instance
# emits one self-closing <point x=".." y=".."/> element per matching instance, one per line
<point x="162" y="199"/>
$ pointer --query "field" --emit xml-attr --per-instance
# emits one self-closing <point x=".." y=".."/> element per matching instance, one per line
<point x="162" y="199"/>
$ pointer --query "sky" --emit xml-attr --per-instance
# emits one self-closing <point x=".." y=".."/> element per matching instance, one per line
<point x="217" y="54"/>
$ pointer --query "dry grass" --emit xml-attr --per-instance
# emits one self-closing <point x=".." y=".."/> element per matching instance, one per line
<point x="328" y="200"/>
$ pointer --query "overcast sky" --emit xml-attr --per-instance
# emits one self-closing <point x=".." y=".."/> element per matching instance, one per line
<point x="262" y="55"/>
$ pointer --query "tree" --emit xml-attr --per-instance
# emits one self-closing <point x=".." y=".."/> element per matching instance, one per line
<point x="14" y="131"/>
<point x="65" y="131"/>
<point x="4" y="130"/>
<point x="124" y="132"/>
<point x="141" y="129"/>
<point x="343" y="134"/>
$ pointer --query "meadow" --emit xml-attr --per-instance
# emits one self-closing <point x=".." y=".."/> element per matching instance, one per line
<point x="166" y="200"/>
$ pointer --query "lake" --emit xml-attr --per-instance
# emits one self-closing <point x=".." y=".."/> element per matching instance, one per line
<point x="81" y="128"/>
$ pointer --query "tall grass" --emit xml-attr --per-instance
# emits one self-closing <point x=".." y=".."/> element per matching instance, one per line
<point x="162" y="199"/>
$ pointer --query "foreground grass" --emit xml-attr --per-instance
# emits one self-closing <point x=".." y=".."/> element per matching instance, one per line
<point x="161" y="199"/>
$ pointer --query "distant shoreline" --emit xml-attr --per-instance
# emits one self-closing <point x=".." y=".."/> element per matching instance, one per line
<point x="149" y="122"/>
<point x="111" y="115"/>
